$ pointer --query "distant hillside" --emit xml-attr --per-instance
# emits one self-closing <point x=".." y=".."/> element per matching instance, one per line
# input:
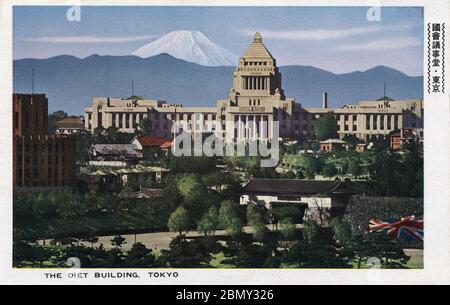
<point x="70" y="83"/>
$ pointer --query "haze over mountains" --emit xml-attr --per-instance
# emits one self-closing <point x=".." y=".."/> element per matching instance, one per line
<point x="196" y="73"/>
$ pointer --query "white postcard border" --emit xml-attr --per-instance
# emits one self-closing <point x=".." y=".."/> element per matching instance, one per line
<point x="437" y="182"/>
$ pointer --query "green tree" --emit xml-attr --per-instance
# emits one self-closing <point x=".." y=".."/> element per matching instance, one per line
<point x="189" y="186"/>
<point x="143" y="128"/>
<point x="209" y="222"/>
<point x="111" y="135"/>
<point x="118" y="241"/>
<point x="287" y="228"/>
<point x="99" y="135"/>
<point x="307" y="165"/>
<point x="310" y="230"/>
<point x="140" y="257"/>
<point x="329" y="170"/>
<point x="229" y="219"/>
<point x="41" y="254"/>
<point x="351" y="140"/>
<point x="246" y="254"/>
<point x="386" y="249"/>
<point x="355" y="169"/>
<point x="320" y="253"/>
<point x="54" y="118"/>
<point x="255" y="219"/>
<point x="179" y="220"/>
<point x="189" y="254"/>
<point x="342" y="230"/>
<point x="326" y="127"/>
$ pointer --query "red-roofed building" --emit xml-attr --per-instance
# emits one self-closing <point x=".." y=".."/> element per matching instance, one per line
<point x="152" y="145"/>
<point x="406" y="136"/>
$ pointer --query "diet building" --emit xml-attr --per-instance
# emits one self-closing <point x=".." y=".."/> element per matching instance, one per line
<point x="256" y="108"/>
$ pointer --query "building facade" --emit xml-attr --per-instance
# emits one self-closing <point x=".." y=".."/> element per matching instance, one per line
<point x="114" y="155"/>
<point x="70" y="125"/>
<point x="310" y="195"/>
<point x="256" y="108"/>
<point x="39" y="159"/>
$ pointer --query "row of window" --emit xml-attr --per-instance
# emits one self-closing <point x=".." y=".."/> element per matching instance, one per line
<point x="35" y="147"/>
<point x="43" y="183"/>
<point x="255" y="82"/>
<point x="255" y="63"/>
<point x="254" y="102"/>
<point x="37" y="174"/>
<point x="35" y="160"/>
<point x="27" y="122"/>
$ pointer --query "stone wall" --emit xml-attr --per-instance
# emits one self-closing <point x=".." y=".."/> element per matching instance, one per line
<point x="362" y="209"/>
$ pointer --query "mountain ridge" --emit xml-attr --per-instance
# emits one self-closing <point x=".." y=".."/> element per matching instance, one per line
<point x="71" y="82"/>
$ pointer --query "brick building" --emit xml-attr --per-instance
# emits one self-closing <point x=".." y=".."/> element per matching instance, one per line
<point x="39" y="159"/>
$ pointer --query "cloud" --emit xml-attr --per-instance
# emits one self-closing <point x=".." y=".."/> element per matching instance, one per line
<point x="383" y="44"/>
<point x="87" y="39"/>
<point x="321" y="34"/>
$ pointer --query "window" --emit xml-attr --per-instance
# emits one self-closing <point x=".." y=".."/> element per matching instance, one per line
<point x="16" y="119"/>
<point x="287" y="198"/>
<point x="27" y="119"/>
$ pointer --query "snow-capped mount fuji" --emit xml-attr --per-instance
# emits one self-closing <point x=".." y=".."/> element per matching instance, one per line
<point x="190" y="46"/>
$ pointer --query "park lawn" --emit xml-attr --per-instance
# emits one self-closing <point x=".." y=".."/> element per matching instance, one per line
<point x="415" y="264"/>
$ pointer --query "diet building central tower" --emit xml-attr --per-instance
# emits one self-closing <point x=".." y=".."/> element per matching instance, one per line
<point x="256" y="98"/>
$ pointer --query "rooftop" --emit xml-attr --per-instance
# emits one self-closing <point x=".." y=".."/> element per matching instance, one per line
<point x="124" y="150"/>
<point x="152" y="141"/>
<point x="333" y="141"/>
<point x="70" y="122"/>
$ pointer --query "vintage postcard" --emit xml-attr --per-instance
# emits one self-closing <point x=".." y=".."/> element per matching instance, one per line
<point x="183" y="142"/>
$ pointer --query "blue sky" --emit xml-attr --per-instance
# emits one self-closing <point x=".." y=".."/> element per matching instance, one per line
<point x="339" y="40"/>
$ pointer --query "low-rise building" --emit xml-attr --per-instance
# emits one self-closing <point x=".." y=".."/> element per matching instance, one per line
<point x="153" y="146"/>
<point x="406" y="136"/>
<point x="70" y="125"/>
<point x="361" y="147"/>
<point x="330" y="196"/>
<point x="114" y="155"/>
<point x="332" y="145"/>
<point x="39" y="159"/>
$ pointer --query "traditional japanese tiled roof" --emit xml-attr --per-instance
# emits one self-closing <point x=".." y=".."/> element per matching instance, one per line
<point x="332" y="141"/>
<point x="117" y="150"/>
<point x="152" y="141"/>
<point x="70" y="122"/>
<point x="293" y="186"/>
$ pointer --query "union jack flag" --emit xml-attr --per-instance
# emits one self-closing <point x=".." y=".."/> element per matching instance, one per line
<point x="408" y="228"/>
